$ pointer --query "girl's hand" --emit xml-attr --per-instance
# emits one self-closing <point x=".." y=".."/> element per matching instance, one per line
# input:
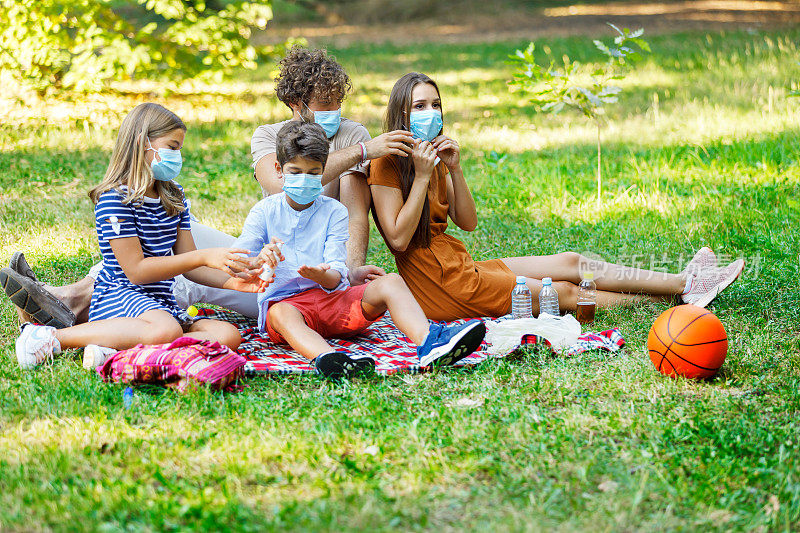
<point x="250" y="284"/>
<point x="270" y="254"/>
<point x="315" y="274"/>
<point x="229" y="260"/>
<point x="448" y="151"/>
<point x="423" y="156"/>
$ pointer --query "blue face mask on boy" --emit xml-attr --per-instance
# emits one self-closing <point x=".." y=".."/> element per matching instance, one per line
<point x="302" y="188"/>
<point x="425" y="125"/>
<point x="170" y="165"/>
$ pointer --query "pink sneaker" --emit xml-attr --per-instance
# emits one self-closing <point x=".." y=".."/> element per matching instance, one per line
<point x="709" y="283"/>
<point x="703" y="260"/>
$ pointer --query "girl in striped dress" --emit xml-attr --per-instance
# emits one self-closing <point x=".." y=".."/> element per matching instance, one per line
<point x="143" y="228"/>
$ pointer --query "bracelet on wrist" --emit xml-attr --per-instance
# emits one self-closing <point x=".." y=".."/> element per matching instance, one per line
<point x="363" y="152"/>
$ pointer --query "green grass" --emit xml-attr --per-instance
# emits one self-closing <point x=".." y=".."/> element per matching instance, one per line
<point x="590" y="442"/>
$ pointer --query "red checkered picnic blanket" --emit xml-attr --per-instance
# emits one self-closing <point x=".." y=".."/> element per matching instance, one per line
<point x="393" y="352"/>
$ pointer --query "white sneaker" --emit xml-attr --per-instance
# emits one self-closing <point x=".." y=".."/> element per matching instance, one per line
<point x="702" y="262"/>
<point x="36" y="344"/>
<point x="709" y="284"/>
<point x="94" y="356"/>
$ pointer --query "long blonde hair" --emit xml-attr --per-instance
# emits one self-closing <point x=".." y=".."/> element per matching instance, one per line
<point x="128" y="165"/>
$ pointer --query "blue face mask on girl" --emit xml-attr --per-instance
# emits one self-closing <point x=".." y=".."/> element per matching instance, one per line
<point x="302" y="188"/>
<point x="170" y="165"/>
<point x="425" y="125"/>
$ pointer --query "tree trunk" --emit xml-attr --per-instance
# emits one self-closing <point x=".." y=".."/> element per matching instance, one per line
<point x="599" y="175"/>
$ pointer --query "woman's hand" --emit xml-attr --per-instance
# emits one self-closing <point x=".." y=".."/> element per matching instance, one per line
<point x="229" y="260"/>
<point x="423" y="156"/>
<point x="270" y="254"/>
<point x="448" y="151"/>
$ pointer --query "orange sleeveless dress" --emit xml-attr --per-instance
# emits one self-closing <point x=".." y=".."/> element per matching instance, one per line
<point x="443" y="278"/>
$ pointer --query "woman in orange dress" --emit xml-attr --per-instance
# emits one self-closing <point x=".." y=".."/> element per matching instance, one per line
<point x="414" y="196"/>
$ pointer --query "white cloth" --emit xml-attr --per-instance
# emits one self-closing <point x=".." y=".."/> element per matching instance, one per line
<point x="189" y="293"/>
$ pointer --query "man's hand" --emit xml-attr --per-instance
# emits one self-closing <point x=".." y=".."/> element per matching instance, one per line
<point x="394" y="142"/>
<point x="365" y="274"/>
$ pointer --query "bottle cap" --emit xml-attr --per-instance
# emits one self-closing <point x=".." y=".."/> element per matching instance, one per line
<point x="588" y="276"/>
<point x="521" y="280"/>
<point x="547" y="281"/>
<point x="191" y="311"/>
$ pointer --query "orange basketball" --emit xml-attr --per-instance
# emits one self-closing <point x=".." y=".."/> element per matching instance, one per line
<point x="688" y="341"/>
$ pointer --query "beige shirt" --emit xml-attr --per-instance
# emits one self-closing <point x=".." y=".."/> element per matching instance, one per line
<point x="349" y="134"/>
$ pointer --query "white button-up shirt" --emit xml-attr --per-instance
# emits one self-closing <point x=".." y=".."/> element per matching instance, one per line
<point x="317" y="234"/>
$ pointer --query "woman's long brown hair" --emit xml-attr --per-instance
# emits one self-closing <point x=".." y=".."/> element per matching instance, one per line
<point x="397" y="118"/>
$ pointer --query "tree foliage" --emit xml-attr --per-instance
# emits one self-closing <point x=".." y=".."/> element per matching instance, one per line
<point x="85" y="44"/>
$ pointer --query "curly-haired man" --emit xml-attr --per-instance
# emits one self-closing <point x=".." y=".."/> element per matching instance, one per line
<point x="313" y="85"/>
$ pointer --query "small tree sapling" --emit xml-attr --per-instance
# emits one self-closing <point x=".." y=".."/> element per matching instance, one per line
<point x="552" y="89"/>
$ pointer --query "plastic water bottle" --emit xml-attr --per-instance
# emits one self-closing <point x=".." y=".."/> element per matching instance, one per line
<point x="521" y="300"/>
<point x="548" y="299"/>
<point x="127" y="397"/>
<point x="587" y="298"/>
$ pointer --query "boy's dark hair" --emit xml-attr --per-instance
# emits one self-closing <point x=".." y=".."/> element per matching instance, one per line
<point x="306" y="73"/>
<point x="301" y="139"/>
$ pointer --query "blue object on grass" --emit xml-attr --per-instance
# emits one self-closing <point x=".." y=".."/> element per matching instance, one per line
<point x="127" y="397"/>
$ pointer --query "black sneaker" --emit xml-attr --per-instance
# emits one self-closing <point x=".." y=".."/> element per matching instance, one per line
<point x="336" y="365"/>
<point x="30" y="296"/>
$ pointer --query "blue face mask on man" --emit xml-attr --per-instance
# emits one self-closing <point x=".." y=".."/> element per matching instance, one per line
<point x="170" y="165"/>
<point x="302" y="188"/>
<point x="425" y="125"/>
<point x="329" y="120"/>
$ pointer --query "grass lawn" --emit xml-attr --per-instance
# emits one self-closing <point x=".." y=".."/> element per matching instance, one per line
<point x="590" y="442"/>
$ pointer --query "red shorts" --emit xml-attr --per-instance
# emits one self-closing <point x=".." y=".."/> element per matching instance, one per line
<point x="335" y="314"/>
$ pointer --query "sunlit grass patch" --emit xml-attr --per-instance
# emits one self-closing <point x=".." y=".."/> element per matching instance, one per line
<point x="590" y="442"/>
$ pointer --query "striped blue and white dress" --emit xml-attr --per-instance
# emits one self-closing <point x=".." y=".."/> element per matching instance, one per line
<point x="114" y="294"/>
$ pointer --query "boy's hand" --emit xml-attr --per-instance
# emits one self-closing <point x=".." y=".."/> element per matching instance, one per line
<point x="271" y="254"/>
<point x="315" y="274"/>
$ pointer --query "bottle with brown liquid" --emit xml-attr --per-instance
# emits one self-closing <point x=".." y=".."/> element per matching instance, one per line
<point x="587" y="298"/>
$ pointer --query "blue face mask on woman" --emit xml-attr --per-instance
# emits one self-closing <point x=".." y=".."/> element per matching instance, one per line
<point x="170" y="165"/>
<point x="426" y="125"/>
<point x="302" y="188"/>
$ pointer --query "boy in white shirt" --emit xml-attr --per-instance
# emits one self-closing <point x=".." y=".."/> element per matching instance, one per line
<point x="309" y="297"/>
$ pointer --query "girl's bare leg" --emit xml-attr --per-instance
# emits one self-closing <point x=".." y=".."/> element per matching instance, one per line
<point x="152" y="327"/>
<point x="609" y="277"/>
<point x="215" y="331"/>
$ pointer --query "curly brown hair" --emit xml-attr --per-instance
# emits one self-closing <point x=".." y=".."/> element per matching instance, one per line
<point x="311" y="73"/>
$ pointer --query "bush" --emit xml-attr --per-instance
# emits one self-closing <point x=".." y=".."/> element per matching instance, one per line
<point x="83" y="45"/>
